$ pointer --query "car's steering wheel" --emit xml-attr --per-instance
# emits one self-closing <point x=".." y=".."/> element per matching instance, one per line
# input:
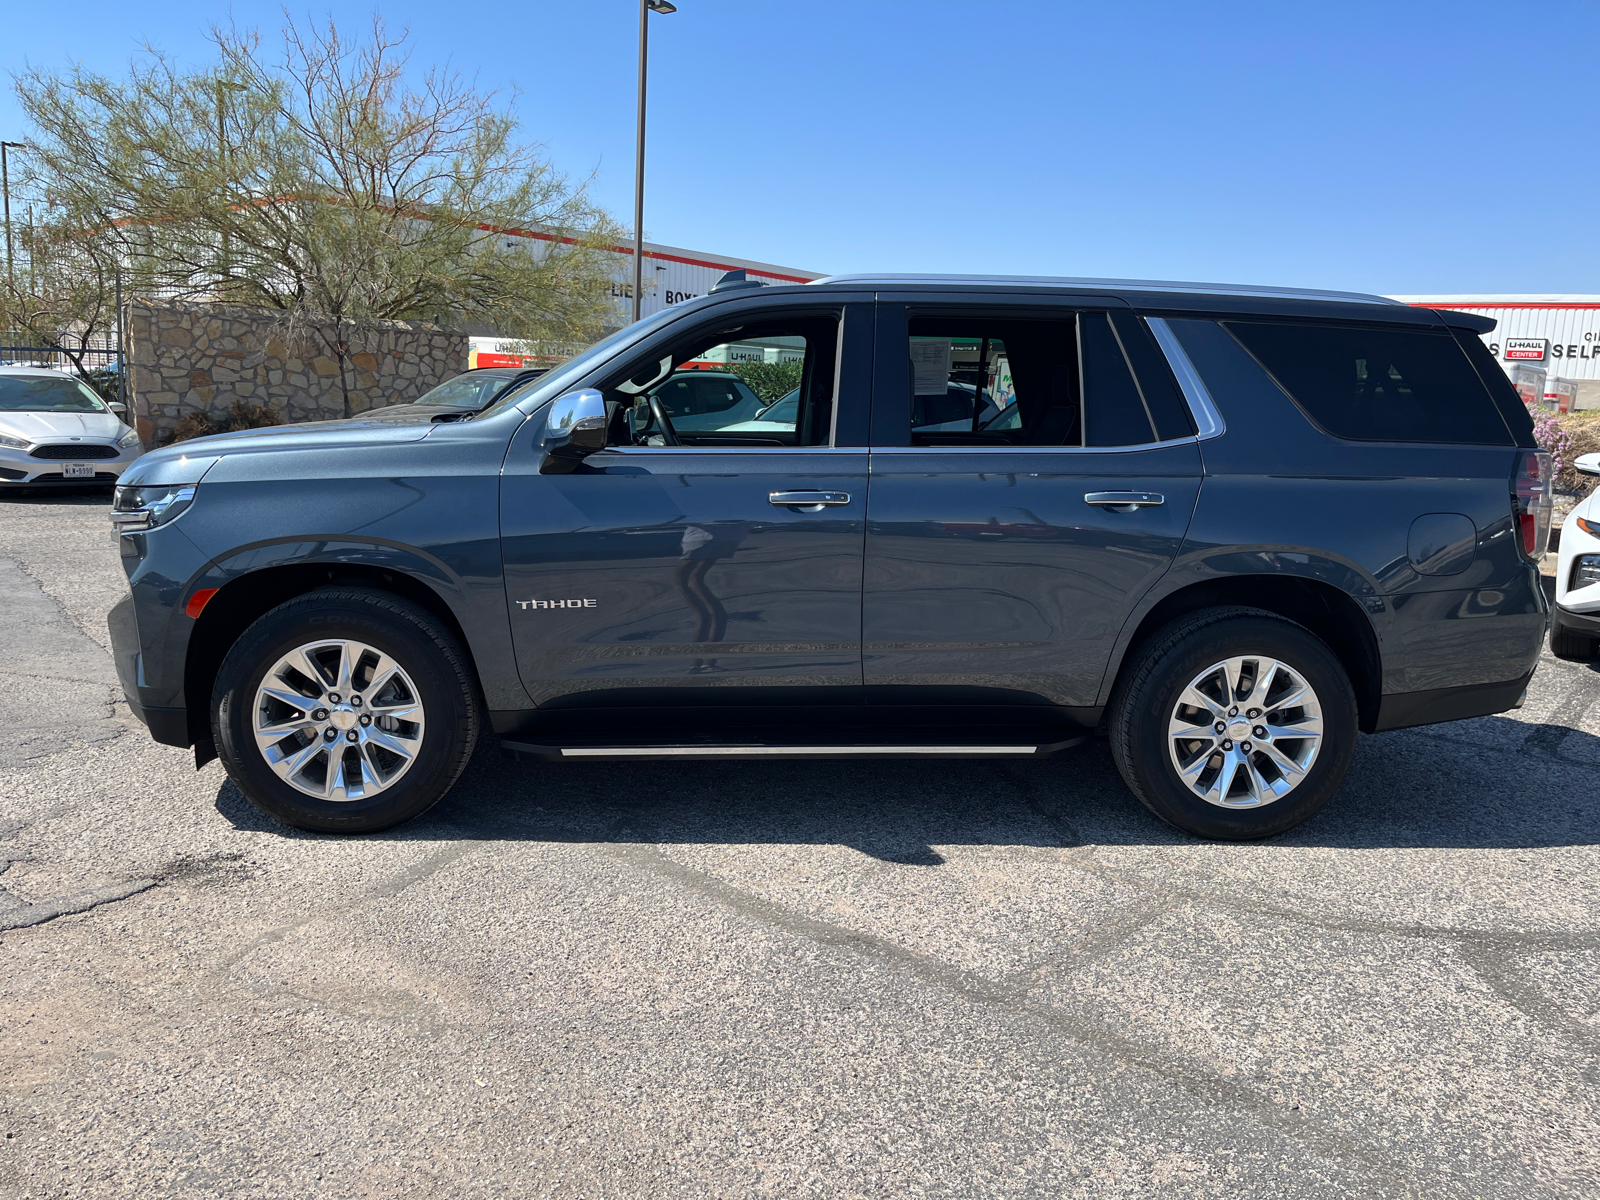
<point x="660" y="414"/>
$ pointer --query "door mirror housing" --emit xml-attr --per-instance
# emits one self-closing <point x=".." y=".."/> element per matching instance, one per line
<point x="117" y="406"/>
<point x="575" y="429"/>
<point x="1587" y="464"/>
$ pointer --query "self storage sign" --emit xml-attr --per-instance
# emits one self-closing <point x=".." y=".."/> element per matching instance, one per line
<point x="1526" y="348"/>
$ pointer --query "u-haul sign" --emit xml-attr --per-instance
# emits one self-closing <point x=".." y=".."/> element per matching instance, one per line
<point x="1526" y="348"/>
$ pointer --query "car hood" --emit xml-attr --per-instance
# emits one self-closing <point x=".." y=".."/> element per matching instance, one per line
<point x="52" y="426"/>
<point x="177" y="463"/>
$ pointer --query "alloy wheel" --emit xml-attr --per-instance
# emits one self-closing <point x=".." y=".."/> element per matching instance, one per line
<point x="338" y="720"/>
<point x="1245" y="732"/>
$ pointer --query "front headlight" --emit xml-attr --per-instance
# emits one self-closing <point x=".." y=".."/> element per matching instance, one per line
<point x="134" y="509"/>
<point x="129" y="440"/>
<point x="15" y="443"/>
<point x="1585" y="570"/>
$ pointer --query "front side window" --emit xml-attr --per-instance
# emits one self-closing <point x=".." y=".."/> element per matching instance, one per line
<point x="767" y="383"/>
<point x="1056" y="380"/>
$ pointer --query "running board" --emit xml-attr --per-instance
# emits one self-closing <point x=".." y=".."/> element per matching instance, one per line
<point x="770" y="751"/>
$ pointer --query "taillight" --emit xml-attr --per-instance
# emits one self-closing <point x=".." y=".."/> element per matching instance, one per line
<point x="1532" y="501"/>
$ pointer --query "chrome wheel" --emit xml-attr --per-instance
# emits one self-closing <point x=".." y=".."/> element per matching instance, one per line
<point x="338" y="720"/>
<point x="1245" y="732"/>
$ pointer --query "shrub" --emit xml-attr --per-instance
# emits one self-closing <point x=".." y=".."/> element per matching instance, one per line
<point x="770" y="381"/>
<point x="249" y="416"/>
<point x="240" y="415"/>
<point x="192" y="425"/>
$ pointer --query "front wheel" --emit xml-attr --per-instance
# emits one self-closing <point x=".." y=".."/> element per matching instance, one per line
<point x="1233" y="723"/>
<point x="344" y="711"/>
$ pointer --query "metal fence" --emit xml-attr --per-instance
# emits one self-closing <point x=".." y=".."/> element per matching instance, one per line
<point x="103" y="367"/>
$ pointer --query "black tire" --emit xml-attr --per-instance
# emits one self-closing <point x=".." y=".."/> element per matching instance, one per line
<point x="1147" y="692"/>
<point x="409" y="635"/>
<point x="1571" y="644"/>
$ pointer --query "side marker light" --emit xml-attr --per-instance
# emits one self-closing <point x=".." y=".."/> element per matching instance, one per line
<point x="198" y="601"/>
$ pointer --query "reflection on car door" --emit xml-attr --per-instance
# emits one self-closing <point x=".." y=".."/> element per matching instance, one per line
<point x="994" y="574"/>
<point x="694" y="574"/>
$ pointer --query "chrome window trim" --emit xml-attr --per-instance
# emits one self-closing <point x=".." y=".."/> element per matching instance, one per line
<point x="1206" y="417"/>
<point x="1183" y="441"/>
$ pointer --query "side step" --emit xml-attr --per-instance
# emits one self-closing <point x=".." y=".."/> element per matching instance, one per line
<point x="687" y="750"/>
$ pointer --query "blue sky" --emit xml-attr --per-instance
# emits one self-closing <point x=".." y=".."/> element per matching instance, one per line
<point x="1397" y="147"/>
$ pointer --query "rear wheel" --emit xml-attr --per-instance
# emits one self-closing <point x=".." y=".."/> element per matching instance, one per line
<point x="344" y="711"/>
<point x="1568" y="643"/>
<point x="1233" y="723"/>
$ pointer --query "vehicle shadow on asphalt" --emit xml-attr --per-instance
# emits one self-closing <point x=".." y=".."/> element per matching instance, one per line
<point x="89" y="495"/>
<point x="1489" y="783"/>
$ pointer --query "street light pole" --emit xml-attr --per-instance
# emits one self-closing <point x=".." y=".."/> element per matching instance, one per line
<point x="646" y="7"/>
<point x="5" y="186"/>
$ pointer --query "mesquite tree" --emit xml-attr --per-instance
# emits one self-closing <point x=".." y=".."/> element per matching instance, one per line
<point x="329" y="181"/>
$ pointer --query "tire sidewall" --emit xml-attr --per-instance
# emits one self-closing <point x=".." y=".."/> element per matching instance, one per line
<point x="448" y="712"/>
<point x="1151" y="708"/>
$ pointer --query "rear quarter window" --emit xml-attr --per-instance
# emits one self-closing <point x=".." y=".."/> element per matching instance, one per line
<point x="1378" y="385"/>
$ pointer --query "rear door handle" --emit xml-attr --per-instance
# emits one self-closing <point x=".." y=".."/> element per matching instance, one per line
<point x="809" y="501"/>
<point x="1124" y="501"/>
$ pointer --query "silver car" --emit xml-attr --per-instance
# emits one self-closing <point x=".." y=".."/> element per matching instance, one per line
<point x="55" y="429"/>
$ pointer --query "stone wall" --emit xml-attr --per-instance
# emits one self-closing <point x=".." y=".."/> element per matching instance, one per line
<point x="202" y="358"/>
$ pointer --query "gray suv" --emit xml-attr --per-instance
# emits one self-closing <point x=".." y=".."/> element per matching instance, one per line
<point x="1227" y="528"/>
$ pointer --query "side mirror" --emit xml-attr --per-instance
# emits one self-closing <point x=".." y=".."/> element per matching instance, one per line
<point x="575" y="429"/>
<point x="117" y="406"/>
<point x="1587" y="464"/>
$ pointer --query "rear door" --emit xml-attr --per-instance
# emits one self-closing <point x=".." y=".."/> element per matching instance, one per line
<point x="717" y="561"/>
<point x="1008" y="543"/>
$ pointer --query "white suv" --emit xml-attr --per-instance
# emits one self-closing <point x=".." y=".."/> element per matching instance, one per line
<point x="1575" y="623"/>
<point x="55" y="429"/>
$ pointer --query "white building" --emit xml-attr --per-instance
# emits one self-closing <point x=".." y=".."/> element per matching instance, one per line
<point x="671" y="276"/>
<point x="1548" y="345"/>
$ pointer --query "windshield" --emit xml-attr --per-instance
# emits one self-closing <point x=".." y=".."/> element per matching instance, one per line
<point x="472" y="390"/>
<point x="47" y="393"/>
<point x="551" y="385"/>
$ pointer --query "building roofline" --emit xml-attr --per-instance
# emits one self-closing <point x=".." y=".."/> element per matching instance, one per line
<point x="1480" y="300"/>
<point x="1129" y="285"/>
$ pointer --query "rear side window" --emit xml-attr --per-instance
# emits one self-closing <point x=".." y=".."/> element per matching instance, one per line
<point x="1378" y="385"/>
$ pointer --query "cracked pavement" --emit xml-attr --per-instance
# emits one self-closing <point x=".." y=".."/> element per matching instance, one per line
<point x="751" y="979"/>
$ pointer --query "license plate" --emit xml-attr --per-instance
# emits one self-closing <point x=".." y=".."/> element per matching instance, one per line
<point x="77" y="470"/>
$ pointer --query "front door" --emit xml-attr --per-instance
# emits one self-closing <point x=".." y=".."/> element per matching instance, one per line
<point x="1028" y="487"/>
<point x="712" y="554"/>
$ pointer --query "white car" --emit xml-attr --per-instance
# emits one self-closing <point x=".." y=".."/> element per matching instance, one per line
<point x="55" y="429"/>
<point x="1575" y="623"/>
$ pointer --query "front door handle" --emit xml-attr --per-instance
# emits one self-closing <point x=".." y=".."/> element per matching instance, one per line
<point x="1124" y="501"/>
<point x="807" y="501"/>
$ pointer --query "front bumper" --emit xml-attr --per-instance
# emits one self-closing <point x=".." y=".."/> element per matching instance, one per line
<point x="18" y="468"/>
<point x="1584" y="622"/>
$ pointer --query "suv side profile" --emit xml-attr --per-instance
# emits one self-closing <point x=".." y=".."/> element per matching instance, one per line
<point x="1228" y="528"/>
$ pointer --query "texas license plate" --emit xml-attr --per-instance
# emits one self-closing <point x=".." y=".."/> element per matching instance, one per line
<point x="77" y="470"/>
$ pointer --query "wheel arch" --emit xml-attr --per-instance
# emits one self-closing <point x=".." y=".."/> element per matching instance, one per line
<point x="248" y="596"/>
<point x="1330" y="613"/>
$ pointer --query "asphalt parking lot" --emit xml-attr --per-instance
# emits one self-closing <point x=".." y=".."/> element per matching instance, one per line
<point x="779" y="979"/>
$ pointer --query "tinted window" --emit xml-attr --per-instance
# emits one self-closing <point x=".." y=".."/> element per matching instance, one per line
<point x="1060" y="380"/>
<point x="1512" y="409"/>
<point x="1161" y="395"/>
<point x="1113" y="409"/>
<point x="1382" y="385"/>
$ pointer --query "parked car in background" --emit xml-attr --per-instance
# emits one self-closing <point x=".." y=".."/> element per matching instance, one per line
<point x="1228" y="528"/>
<point x="472" y="390"/>
<point x="55" y="429"/>
<point x="1575" y="623"/>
